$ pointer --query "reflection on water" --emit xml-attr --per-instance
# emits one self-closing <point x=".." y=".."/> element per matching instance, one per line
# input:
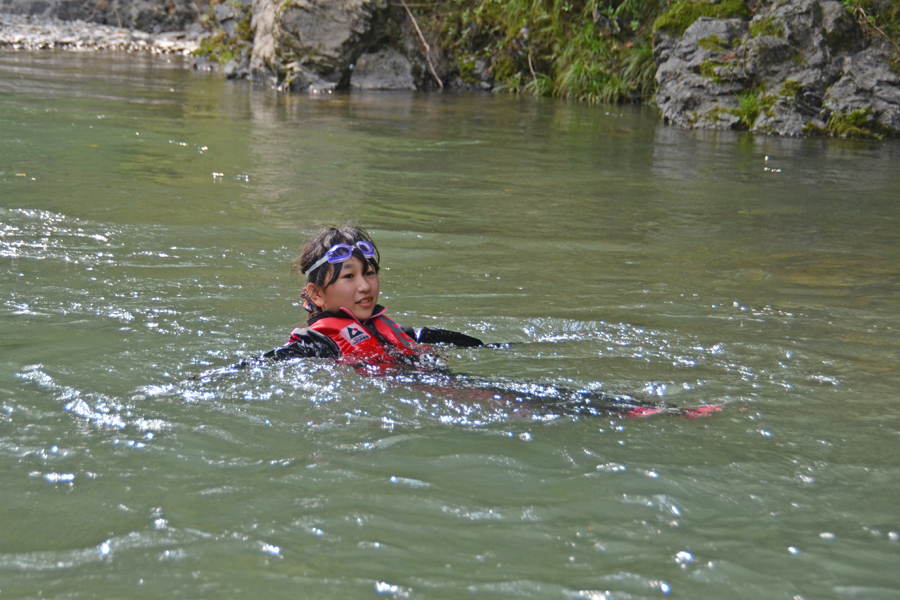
<point x="147" y="216"/>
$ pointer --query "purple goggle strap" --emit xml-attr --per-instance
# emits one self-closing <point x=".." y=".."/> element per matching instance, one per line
<point x="342" y="252"/>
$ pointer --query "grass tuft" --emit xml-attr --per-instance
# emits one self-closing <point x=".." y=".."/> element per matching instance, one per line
<point x="586" y="50"/>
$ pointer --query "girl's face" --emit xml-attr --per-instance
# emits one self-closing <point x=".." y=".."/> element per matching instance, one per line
<point x="356" y="290"/>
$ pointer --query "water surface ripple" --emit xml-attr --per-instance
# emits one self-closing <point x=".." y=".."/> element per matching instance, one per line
<point x="147" y="216"/>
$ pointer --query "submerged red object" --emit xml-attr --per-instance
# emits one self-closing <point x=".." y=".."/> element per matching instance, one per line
<point x="690" y="413"/>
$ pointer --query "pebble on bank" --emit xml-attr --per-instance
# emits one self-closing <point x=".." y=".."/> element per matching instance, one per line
<point x="19" y="32"/>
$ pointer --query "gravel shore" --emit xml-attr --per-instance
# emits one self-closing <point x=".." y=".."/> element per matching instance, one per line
<point x="19" y="32"/>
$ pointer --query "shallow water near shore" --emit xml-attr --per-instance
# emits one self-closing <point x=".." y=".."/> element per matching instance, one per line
<point x="147" y="216"/>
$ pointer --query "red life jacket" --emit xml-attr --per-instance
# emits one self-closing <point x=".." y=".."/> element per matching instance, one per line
<point x="377" y="341"/>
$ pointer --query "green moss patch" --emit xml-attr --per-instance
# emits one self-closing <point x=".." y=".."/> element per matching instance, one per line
<point x="799" y="58"/>
<point x="713" y="43"/>
<point x="790" y="89"/>
<point x="858" y="124"/>
<point x="708" y="70"/>
<point x="717" y="70"/>
<point x="767" y="26"/>
<point x="466" y="68"/>
<point x="812" y="129"/>
<point x="221" y="47"/>
<point x="682" y="15"/>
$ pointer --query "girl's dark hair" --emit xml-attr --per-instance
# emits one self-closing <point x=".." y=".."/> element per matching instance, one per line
<point x="320" y="243"/>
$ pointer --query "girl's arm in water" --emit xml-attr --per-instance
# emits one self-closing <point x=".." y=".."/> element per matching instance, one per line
<point x="426" y="335"/>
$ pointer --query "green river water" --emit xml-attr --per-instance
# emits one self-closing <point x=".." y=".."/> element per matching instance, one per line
<point x="147" y="216"/>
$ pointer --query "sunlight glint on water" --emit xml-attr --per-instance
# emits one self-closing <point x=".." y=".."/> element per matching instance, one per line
<point x="147" y="216"/>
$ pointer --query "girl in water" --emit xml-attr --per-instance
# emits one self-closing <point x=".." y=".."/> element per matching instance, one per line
<point x="346" y="322"/>
<point x="341" y="266"/>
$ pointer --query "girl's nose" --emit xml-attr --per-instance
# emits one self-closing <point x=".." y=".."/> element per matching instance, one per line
<point x="364" y="285"/>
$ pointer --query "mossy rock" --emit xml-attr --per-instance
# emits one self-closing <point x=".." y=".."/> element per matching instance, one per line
<point x="858" y="124"/>
<point x="790" y="89"/>
<point x="466" y="66"/>
<point x="752" y="103"/>
<point x="717" y="70"/>
<point x="713" y="43"/>
<point x="712" y="116"/>
<point x="682" y="15"/>
<point x="708" y="70"/>
<point x="504" y="68"/>
<point x="719" y="116"/>
<point x="812" y="129"/>
<point x="220" y="46"/>
<point x="766" y="26"/>
<point x="894" y="64"/>
<point x="838" y="41"/>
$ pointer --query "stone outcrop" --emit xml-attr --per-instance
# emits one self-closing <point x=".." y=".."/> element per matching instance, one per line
<point x="796" y="67"/>
<point x="311" y="45"/>
<point x="383" y="70"/>
<point x="699" y="76"/>
<point x="868" y="92"/>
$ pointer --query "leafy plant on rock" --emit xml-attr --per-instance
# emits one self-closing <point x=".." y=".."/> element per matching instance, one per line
<point x="586" y="50"/>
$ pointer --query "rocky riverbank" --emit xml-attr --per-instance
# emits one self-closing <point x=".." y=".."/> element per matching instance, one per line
<point x="803" y="67"/>
<point x="19" y="32"/>
<point x="778" y="67"/>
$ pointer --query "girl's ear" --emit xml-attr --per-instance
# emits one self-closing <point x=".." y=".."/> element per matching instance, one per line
<point x="314" y="293"/>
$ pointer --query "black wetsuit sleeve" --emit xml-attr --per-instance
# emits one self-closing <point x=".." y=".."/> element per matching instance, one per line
<point x="427" y="335"/>
<point x="306" y="343"/>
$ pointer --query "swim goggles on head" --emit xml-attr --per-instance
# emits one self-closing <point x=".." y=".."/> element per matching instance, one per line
<point x="342" y="252"/>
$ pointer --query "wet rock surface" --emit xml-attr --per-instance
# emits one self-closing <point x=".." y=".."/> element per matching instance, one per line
<point x="795" y="68"/>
